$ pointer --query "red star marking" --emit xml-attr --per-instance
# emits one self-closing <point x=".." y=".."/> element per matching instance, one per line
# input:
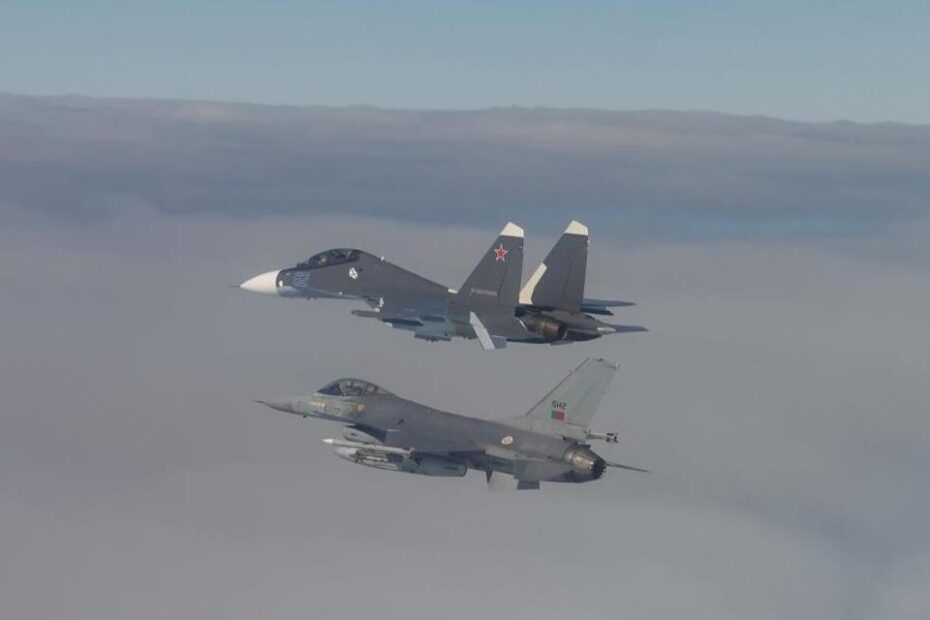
<point x="500" y="253"/>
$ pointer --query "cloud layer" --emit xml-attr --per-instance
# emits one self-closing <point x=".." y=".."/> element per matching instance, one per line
<point x="780" y="399"/>
<point x="655" y="174"/>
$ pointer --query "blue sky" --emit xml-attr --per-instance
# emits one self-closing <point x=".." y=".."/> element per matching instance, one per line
<point x="859" y="60"/>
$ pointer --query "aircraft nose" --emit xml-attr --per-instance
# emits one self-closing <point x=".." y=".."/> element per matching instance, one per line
<point x="280" y="404"/>
<point x="265" y="283"/>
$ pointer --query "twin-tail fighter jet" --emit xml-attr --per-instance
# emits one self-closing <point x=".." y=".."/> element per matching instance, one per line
<point x="490" y="305"/>
<point x="550" y="443"/>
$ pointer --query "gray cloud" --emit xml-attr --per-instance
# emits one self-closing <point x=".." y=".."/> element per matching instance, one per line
<point x="636" y="174"/>
<point x="780" y="399"/>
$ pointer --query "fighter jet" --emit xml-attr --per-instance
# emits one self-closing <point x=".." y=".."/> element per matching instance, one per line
<point x="489" y="306"/>
<point x="550" y="443"/>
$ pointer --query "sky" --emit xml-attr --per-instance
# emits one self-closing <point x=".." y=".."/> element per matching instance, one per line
<point x="861" y="60"/>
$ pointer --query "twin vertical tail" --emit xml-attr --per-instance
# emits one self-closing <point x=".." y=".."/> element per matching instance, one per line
<point x="558" y="282"/>
<point x="495" y="281"/>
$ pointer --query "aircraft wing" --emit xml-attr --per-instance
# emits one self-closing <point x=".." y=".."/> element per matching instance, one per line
<point x="607" y="303"/>
<point x="408" y="305"/>
<point x="425" y="315"/>
<point x="525" y="469"/>
<point x="602" y="306"/>
<point x="427" y="443"/>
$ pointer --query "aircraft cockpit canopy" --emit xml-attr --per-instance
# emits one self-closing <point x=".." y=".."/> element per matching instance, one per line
<point x="330" y="257"/>
<point x="352" y="387"/>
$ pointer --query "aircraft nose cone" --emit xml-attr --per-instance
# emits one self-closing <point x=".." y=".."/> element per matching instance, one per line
<point x="264" y="283"/>
<point x="284" y="405"/>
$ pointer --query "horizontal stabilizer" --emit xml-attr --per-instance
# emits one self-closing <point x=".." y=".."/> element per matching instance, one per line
<point x="596" y="310"/>
<point x="628" y="467"/>
<point x="628" y="329"/>
<point x="606" y="303"/>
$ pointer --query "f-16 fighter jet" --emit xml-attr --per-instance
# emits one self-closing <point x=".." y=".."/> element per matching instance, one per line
<point x="550" y="443"/>
<point x="489" y="306"/>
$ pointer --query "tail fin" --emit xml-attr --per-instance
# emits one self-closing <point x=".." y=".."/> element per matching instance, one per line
<point x="575" y="400"/>
<point x="496" y="279"/>
<point x="558" y="282"/>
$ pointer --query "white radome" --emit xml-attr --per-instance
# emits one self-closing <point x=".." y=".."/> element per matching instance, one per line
<point x="264" y="283"/>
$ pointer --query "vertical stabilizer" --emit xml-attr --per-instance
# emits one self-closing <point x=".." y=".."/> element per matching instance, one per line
<point x="558" y="282"/>
<point x="495" y="281"/>
<point x="575" y="399"/>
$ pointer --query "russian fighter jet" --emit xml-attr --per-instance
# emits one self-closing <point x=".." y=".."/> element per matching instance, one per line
<point x="549" y="443"/>
<point x="489" y="306"/>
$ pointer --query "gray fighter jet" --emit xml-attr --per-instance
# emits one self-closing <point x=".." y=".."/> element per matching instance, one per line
<point x="550" y="443"/>
<point x="489" y="306"/>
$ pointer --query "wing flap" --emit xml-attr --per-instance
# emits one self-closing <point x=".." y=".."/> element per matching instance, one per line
<point x="427" y="443"/>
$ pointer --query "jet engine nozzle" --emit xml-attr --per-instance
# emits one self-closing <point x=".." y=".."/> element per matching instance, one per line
<point x="548" y="328"/>
<point x="586" y="465"/>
